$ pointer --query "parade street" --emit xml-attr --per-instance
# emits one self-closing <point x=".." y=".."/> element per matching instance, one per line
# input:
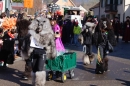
<point x="117" y="75"/>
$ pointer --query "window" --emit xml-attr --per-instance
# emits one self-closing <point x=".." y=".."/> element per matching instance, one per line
<point x="102" y="16"/>
<point x="108" y="16"/>
<point x="120" y="2"/>
<point x="118" y="16"/>
<point x="113" y="1"/>
<point x="102" y="3"/>
<point x="113" y="16"/>
<point x="108" y="1"/>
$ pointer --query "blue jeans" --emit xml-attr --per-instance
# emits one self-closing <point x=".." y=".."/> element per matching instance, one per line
<point x="76" y="39"/>
<point x="102" y="51"/>
<point x="15" y="50"/>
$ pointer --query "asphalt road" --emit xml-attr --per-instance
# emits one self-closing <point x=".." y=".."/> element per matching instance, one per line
<point x="117" y="75"/>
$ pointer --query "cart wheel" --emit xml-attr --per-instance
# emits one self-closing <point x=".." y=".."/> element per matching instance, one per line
<point x="63" y="77"/>
<point x="57" y="74"/>
<point x="71" y="73"/>
<point x="50" y="75"/>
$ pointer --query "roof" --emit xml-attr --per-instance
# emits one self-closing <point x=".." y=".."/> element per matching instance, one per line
<point x="54" y="1"/>
<point x="73" y="3"/>
<point x="82" y="8"/>
<point x="95" y="6"/>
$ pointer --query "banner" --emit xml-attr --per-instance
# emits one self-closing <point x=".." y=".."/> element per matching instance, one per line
<point x="28" y="3"/>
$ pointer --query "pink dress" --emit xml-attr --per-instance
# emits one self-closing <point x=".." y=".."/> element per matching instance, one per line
<point x="59" y="44"/>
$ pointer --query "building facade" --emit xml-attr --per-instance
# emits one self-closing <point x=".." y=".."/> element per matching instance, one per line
<point x="64" y="3"/>
<point x="112" y="8"/>
<point x="5" y="4"/>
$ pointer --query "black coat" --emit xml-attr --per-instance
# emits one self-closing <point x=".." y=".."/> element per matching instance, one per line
<point x="7" y="51"/>
<point x="87" y="37"/>
<point x="97" y="36"/>
<point x="8" y="44"/>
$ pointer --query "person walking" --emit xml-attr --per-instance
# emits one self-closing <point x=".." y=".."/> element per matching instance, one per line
<point x="8" y="47"/>
<point x="126" y="36"/>
<point x="105" y="42"/>
<point x="116" y="27"/>
<point x="76" y="31"/>
<point x="88" y="30"/>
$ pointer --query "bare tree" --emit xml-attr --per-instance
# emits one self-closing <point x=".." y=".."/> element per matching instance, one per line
<point x="37" y="5"/>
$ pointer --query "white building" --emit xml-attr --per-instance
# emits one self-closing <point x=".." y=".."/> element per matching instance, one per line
<point x="5" y="4"/>
<point x="112" y="8"/>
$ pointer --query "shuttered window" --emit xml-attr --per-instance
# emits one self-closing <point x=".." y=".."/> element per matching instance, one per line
<point x="103" y="3"/>
<point x="108" y="1"/>
<point x="120" y="2"/>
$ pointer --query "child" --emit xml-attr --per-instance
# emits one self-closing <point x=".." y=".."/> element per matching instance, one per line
<point x="76" y="31"/>
<point x="59" y="45"/>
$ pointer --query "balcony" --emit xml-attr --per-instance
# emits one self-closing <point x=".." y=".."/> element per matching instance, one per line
<point x="111" y="8"/>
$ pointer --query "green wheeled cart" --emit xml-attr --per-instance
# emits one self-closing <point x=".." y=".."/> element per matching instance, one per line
<point x="61" y="64"/>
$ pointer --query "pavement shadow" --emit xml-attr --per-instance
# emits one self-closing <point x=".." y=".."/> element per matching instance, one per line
<point x="93" y="85"/>
<point x="85" y="67"/>
<point x="125" y="83"/>
<point x="12" y="75"/>
<point x="58" y="79"/>
<point x="127" y="71"/>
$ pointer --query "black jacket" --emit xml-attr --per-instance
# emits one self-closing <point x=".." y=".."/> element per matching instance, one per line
<point x="87" y="37"/>
<point x="8" y="43"/>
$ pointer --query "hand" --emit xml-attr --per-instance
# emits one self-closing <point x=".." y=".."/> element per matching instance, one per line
<point x="15" y="48"/>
